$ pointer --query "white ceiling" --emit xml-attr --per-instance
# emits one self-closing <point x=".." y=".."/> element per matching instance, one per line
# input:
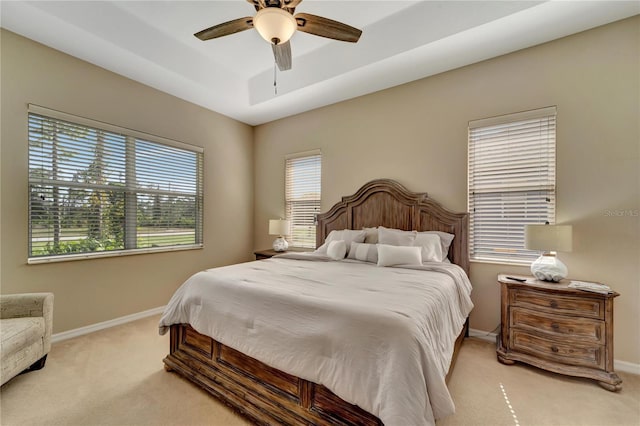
<point x="152" y="42"/>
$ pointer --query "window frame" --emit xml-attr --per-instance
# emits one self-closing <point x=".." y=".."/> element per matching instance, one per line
<point x="131" y="190"/>
<point x="310" y="223"/>
<point x="524" y="197"/>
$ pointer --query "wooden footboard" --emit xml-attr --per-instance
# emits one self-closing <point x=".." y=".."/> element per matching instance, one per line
<point x="264" y="394"/>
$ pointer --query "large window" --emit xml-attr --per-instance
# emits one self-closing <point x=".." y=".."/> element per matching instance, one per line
<point x="512" y="174"/>
<point x="302" y="196"/>
<point x="96" y="189"/>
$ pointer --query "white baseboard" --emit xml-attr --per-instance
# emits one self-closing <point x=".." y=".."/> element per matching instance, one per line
<point x="483" y="335"/>
<point x="58" y="337"/>
<point x="624" y="366"/>
<point x="627" y="367"/>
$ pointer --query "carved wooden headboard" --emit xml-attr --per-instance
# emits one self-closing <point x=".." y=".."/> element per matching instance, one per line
<point x="384" y="202"/>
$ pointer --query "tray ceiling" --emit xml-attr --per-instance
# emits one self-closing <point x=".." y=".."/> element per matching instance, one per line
<point x="152" y="42"/>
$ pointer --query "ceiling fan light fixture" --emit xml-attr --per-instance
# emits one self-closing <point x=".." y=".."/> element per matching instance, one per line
<point x="275" y="25"/>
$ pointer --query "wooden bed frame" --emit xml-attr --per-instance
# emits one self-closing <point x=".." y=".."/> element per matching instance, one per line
<point x="269" y="396"/>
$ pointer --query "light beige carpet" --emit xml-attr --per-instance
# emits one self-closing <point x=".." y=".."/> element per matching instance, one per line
<point x="116" y="377"/>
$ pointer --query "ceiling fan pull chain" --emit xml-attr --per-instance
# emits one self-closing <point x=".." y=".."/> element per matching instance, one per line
<point x="275" y="83"/>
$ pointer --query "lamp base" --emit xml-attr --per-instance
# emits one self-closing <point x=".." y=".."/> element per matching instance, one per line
<point x="280" y="244"/>
<point x="549" y="268"/>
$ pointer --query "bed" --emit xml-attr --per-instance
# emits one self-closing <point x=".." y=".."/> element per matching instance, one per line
<point x="263" y="391"/>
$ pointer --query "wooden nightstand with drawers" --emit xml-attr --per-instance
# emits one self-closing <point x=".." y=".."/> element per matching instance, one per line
<point x="557" y="328"/>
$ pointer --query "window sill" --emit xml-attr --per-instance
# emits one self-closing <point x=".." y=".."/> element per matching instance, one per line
<point x="502" y="262"/>
<point x="101" y="254"/>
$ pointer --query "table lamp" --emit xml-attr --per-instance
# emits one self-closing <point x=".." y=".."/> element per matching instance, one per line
<point x="279" y="227"/>
<point x="549" y="239"/>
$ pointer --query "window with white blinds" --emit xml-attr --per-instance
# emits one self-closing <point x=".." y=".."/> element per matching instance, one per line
<point x="96" y="189"/>
<point x="512" y="179"/>
<point x="302" y="196"/>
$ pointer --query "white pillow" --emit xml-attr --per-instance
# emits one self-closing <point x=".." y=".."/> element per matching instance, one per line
<point x="431" y="246"/>
<point x="346" y="235"/>
<point x="425" y="240"/>
<point x="337" y="250"/>
<point x="396" y="237"/>
<point x="445" y="241"/>
<point x="399" y="255"/>
<point x="364" y="252"/>
<point x="371" y="235"/>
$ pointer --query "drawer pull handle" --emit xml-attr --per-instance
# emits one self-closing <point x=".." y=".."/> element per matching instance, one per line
<point x="554" y="349"/>
<point x="553" y="304"/>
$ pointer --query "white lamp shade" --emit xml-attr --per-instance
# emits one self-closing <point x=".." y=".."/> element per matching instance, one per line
<point x="274" y="23"/>
<point x="279" y="226"/>
<point x="548" y="237"/>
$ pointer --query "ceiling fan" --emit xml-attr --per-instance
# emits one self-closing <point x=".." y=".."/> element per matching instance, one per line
<point x="276" y="24"/>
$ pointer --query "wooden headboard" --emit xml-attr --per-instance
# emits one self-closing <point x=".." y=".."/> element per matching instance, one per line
<point x="384" y="202"/>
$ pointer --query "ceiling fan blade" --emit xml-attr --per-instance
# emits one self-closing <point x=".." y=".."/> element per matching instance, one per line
<point x="226" y="28"/>
<point x="258" y="4"/>
<point x="324" y="27"/>
<point x="282" y="53"/>
<point x="290" y="5"/>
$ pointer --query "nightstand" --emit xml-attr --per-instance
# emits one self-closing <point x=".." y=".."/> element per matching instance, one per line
<point x="266" y="254"/>
<point x="557" y="328"/>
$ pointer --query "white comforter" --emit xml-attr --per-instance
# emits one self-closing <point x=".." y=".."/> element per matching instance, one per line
<point x="381" y="338"/>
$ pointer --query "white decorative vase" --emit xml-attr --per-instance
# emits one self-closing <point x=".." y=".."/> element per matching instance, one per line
<point x="280" y="244"/>
<point x="549" y="268"/>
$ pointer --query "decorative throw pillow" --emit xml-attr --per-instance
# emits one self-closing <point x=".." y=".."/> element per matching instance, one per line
<point x="431" y="246"/>
<point x="346" y="235"/>
<point x="399" y="255"/>
<point x="396" y="237"/>
<point x="337" y="250"/>
<point x="445" y="240"/>
<point x="426" y="240"/>
<point x="364" y="252"/>
<point x="371" y="235"/>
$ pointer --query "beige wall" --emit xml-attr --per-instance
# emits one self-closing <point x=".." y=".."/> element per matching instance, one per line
<point x="417" y="134"/>
<point x="91" y="291"/>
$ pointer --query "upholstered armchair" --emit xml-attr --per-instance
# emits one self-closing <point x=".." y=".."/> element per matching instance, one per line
<point x="26" y="322"/>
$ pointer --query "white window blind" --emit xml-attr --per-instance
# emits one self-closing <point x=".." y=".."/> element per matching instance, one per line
<point x="512" y="162"/>
<point x="302" y="196"/>
<point x="96" y="189"/>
